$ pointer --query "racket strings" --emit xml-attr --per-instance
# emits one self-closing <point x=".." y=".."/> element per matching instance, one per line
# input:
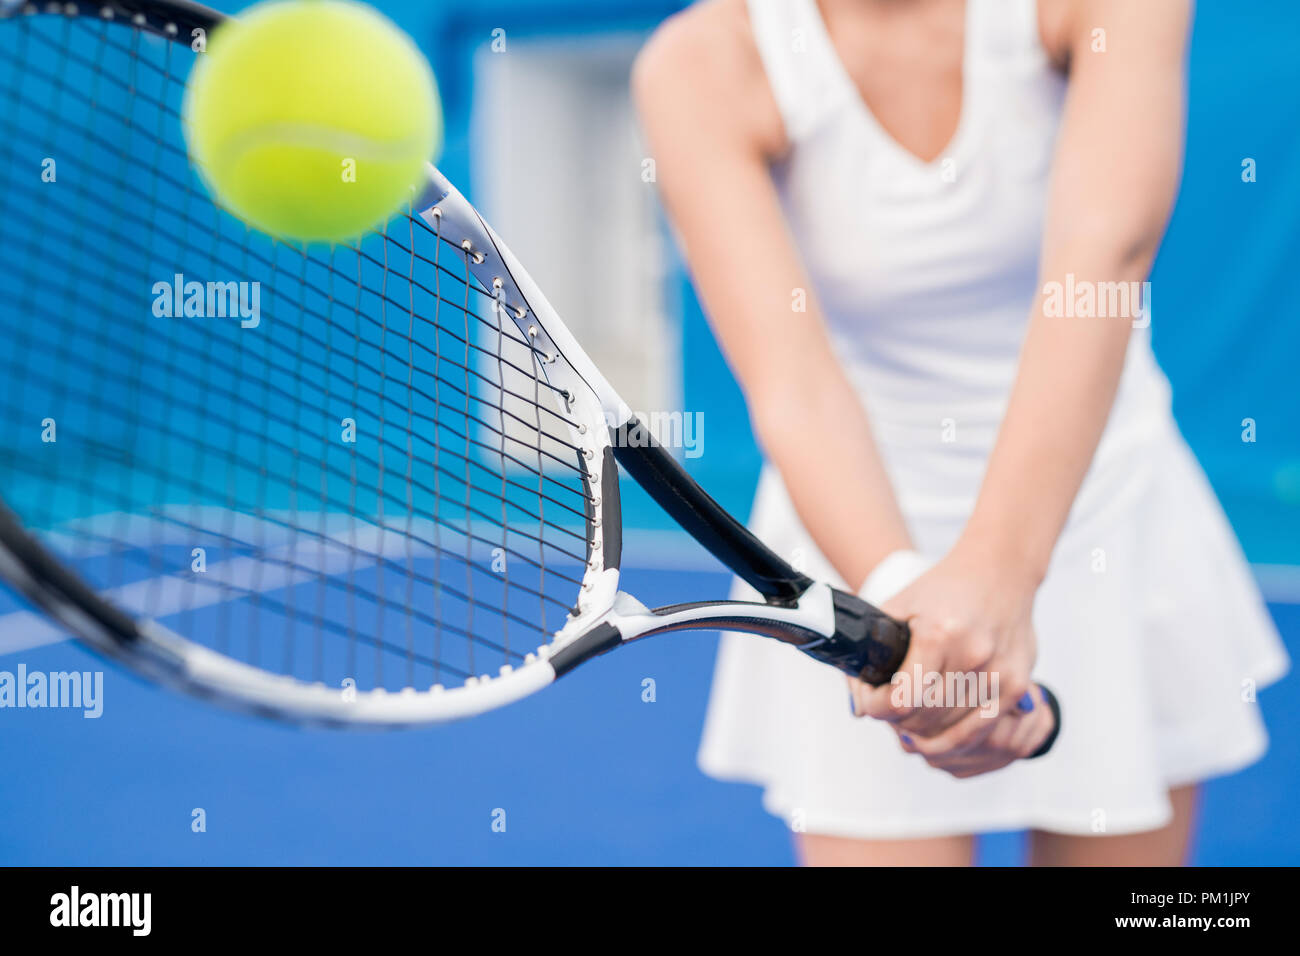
<point x="108" y="344"/>
<point x="534" y="401"/>
<point x="365" y="477"/>
<point x="169" y="114"/>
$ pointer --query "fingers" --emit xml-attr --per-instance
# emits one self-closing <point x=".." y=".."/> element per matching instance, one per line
<point x="980" y="743"/>
<point x="879" y="703"/>
<point x="939" y="687"/>
<point x="911" y="698"/>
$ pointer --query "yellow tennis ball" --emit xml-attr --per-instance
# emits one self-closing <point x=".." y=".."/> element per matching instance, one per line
<point x="312" y="119"/>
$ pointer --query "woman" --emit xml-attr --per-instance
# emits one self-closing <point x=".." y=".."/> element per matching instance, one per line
<point x="921" y="229"/>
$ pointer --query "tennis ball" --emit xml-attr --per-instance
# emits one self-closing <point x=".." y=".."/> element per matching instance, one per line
<point x="312" y="119"/>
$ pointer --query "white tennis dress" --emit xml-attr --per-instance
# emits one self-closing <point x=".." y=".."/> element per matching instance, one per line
<point x="1150" y="627"/>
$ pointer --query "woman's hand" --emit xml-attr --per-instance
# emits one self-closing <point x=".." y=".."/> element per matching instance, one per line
<point x="963" y="698"/>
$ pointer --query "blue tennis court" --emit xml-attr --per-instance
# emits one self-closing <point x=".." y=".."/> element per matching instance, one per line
<point x="589" y="773"/>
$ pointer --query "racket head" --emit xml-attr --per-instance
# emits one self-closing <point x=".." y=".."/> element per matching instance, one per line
<point x="366" y="484"/>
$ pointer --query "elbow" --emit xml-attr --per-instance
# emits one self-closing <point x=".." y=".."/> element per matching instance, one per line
<point x="1114" y="250"/>
<point x="1115" y="240"/>
<point x="1133" y="248"/>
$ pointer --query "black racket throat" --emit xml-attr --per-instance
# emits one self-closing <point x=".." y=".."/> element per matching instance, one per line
<point x="866" y="642"/>
<point x="674" y="490"/>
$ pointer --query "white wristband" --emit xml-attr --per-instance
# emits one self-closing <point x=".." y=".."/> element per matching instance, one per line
<point x="891" y="575"/>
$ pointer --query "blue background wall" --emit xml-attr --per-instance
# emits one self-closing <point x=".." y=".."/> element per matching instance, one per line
<point x="1227" y="320"/>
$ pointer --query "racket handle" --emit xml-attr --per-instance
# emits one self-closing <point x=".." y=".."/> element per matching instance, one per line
<point x="870" y="645"/>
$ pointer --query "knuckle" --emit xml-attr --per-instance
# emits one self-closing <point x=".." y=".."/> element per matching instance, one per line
<point x="980" y="649"/>
<point x="974" y="653"/>
<point x="950" y="628"/>
<point x="928" y="644"/>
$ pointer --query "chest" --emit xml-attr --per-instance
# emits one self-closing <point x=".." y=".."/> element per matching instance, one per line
<point x="882" y="229"/>
<point x="907" y="62"/>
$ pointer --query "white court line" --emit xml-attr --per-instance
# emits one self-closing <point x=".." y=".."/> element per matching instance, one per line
<point x="642" y="549"/>
<point x="25" y="630"/>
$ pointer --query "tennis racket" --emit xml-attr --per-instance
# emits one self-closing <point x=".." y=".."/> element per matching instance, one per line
<point x="371" y="484"/>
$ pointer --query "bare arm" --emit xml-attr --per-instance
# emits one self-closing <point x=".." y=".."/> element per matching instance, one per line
<point x="712" y="128"/>
<point x="1113" y="187"/>
<point x="1114" y="183"/>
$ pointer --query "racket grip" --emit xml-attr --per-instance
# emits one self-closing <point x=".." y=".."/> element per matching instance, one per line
<point x="870" y="645"/>
<point x="867" y="644"/>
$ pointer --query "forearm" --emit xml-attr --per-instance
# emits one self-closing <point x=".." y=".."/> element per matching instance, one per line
<point x="1069" y="373"/>
<point x="819" y="438"/>
<point x="713" y="154"/>
<point x="1107" y="211"/>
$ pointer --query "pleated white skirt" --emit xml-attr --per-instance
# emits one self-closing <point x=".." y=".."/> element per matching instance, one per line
<point x="1150" y="630"/>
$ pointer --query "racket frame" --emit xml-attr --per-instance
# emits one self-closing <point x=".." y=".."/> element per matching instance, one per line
<point x="831" y="625"/>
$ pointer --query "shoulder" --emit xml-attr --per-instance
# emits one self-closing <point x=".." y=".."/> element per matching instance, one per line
<point x="1069" y="27"/>
<point x="711" y="39"/>
<point x="702" y="65"/>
